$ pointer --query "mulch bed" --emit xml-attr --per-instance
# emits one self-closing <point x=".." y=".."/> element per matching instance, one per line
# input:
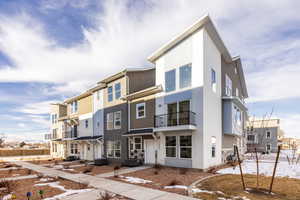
<point x="166" y="176"/>
<point x="16" y="172"/>
<point x="21" y="187"/>
<point x="44" y="162"/>
<point x="231" y="186"/>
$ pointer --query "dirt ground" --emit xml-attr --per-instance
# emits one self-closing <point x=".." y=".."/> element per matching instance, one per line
<point x="166" y="176"/>
<point x="94" y="169"/>
<point x="21" y="187"/>
<point x="16" y="172"/>
<point x="230" y="186"/>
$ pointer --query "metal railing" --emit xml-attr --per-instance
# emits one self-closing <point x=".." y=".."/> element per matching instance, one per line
<point x="175" y="119"/>
<point x="70" y="134"/>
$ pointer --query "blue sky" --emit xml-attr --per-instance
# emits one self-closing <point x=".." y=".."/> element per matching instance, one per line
<point x="53" y="49"/>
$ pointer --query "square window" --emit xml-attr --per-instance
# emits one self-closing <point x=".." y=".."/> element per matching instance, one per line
<point x="140" y="110"/>
<point x="170" y="80"/>
<point x="110" y="94"/>
<point x="185" y="76"/>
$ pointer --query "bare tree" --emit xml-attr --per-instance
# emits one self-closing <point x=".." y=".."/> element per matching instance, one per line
<point x="2" y="140"/>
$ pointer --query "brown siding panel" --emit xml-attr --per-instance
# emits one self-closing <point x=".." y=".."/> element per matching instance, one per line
<point x="146" y="122"/>
<point x="141" y="80"/>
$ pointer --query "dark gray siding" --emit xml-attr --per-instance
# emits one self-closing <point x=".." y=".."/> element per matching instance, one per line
<point x="113" y="135"/>
<point x="141" y="80"/>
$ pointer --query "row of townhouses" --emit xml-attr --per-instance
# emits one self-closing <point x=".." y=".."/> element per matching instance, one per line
<point x="187" y="110"/>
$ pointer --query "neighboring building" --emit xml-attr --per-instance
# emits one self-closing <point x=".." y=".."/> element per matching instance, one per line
<point x="187" y="111"/>
<point x="263" y="135"/>
<point x="290" y="143"/>
<point x="116" y="109"/>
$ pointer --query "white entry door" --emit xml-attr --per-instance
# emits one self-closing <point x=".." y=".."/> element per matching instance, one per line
<point x="149" y="146"/>
<point x="98" y="151"/>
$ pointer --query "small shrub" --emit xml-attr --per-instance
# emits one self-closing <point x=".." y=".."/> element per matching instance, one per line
<point x="29" y="171"/>
<point x="116" y="170"/>
<point x="174" y="182"/>
<point x="8" y="185"/>
<point x="183" y="171"/>
<point x="105" y="196"/>
<point x="156" y="172"/>
<point x="40" y="175"/>
<point x="88" y="170"/>
<point x="157" y="166"/>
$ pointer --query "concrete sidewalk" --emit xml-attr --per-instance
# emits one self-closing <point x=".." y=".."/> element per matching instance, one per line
<point x="102" y="184"/>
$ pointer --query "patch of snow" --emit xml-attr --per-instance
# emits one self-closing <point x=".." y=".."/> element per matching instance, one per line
<point x="7" y="197"/>
<point x="79" y="165"/>
<point x="58" y="166"/>
<point x="135" y="180"/>
<point x="176" y="187"/>
<point x="265" y="168"/>
<point x="68" y="169"/>
<point x="45" y="180"/>
<point x="198" y="190"/>
<point x="66" y="191"/>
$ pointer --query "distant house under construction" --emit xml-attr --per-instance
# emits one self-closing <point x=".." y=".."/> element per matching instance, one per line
<point x="263" y="135"/>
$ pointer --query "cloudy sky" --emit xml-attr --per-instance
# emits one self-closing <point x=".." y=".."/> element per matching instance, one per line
<point x="53" y="49"/>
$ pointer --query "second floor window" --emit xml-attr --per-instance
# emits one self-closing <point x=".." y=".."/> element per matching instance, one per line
<point x="140" y="110"/>
<point x="268" y="134"/>
<point x="185" y="76"/>
<point x="170" y="80"/>
<point x="251" y="138"/>
<point x="74" y="107"/>
<point x="86" y="123"/>
<point x="113" y="120"/>
<point x="110" y="94"/>
<point x="228" y="86"/>
<point x="117" y="120"/>
<point x="117" y="90"/>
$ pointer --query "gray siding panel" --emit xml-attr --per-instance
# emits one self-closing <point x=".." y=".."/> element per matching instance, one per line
<point x="175" y="162"/>
<point x="113" y="135"/>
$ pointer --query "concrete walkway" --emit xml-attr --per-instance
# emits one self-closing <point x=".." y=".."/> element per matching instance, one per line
<point x="102" y="184"/>
<point x="19" y="178"/>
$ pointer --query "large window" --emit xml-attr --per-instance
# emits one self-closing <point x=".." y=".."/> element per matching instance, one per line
<point x="179" y="113"/>
<point x="140" y="110"/>
<point x="113" y="149"/>
<point x="185" y="76"/>
<point x="110" y="94"/>
<point x="228" y="86"/>
<point x="117" y="120"/>
<point x="74" y="148"/>
<point x="117" y="90"/>
<point x="109" y="121"/>
<point x="54" y="118"/>
<point x="185" y="146"/>
<point x="213" y="80"/>
<point x="170" y="80"/>
<point x="171" y="146"/>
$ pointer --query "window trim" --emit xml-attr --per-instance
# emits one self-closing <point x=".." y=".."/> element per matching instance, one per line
<point x="113" y="149"/>
<point x="137" y="110"/>
<point x="109" y="121"/>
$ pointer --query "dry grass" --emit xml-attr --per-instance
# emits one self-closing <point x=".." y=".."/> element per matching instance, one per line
<point x="230" y="185"/>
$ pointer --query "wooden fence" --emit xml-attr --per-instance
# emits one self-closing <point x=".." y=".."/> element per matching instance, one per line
<point x="23" y="152"/>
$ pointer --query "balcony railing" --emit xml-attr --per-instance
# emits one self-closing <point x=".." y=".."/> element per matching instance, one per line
<point x="175" y="119"/>
<point x="70" y="134"/>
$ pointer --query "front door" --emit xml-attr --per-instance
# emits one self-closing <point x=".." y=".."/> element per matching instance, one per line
<point x="149" y="146"/>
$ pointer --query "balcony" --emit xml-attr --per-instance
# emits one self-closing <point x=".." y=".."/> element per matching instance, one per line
<point x="70" y="134"/>
<point x="185" y="120"/>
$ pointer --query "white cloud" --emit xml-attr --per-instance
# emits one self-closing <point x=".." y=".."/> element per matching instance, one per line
<point x="21" y="125"/>
<point x="35" y="108"/>
<point x="290" y="125"/>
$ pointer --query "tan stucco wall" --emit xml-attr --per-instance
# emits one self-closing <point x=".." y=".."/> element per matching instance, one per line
<point x="123" y="82"/>
<point x="85" y="105"/>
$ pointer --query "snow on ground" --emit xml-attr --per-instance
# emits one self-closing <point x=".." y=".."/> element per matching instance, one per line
<point x="66" y="191"/>
<point x="176" y="187"/>
<point x="134" y="179"/>
<point x="7" y="197"/>
<point x="58" y="166"/>
<point x="197" y="190"/>
<point x="265" y="168"/>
